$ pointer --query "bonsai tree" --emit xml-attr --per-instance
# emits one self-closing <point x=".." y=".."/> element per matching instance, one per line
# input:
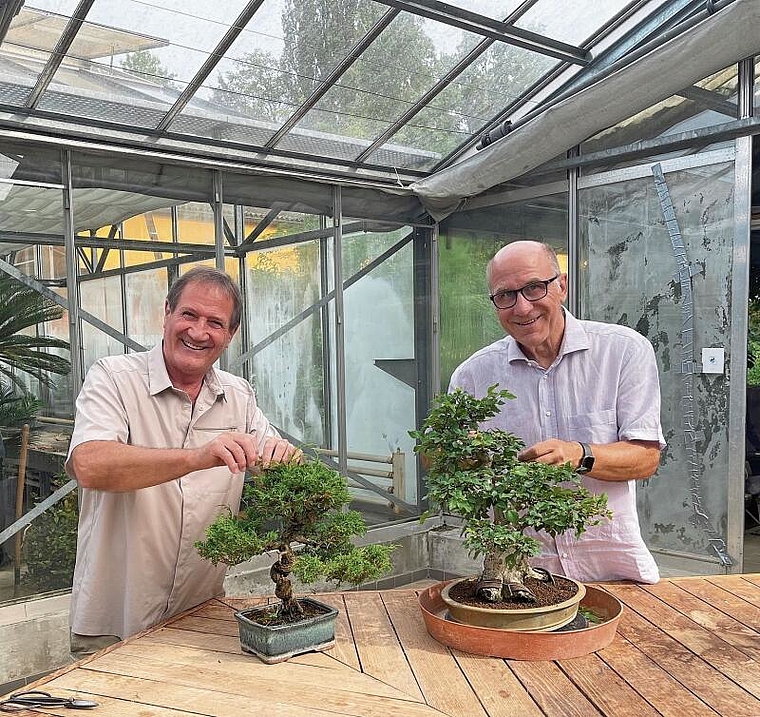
<point x="297" y="509"/>
<point x="475" y="473"/>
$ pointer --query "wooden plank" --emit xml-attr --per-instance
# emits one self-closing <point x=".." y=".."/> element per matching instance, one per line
<point x="143" y="693"/>
<point x="734" y="619"/>
<point x="605" y="688"/>
<point x="341" y="691"/>
<point x="668" y="696"/>
<point x="714" y="650"/>
<point x="106" y="706"/>
<point x="737" y="585"/>
<point x="345" y="649"/>
<point x="206" y="625"/>
<point x="500" y="692"/>
<point x="216" y="611"/>
<point x="707" y="683"/>
<point x="438" y="673"/>
<point x="380" y="653"/>
<point x="753" y="578"/>
<point x="245" y="667"/>
<point x="553" y="691"/>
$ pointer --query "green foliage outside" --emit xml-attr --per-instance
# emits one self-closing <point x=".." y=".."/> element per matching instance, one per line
<point x="297" y="509"/>
<point x="468" y="319"/>
<point x="146" y="64"/>
<point x="753" y="344"/>
<point x="50" y="543"/>
<point x="475" y="474"/>
<point x="375" y="90"/>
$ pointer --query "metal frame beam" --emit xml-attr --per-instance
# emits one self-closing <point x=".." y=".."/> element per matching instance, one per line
<point x="59" y="52"/>
<point x="8" y="10"/>
<point x="495" y="29"/>
<point x="211" y="62"/>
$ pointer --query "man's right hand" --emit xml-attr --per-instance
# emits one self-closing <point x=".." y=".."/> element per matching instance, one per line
<point x="239" y="451"/>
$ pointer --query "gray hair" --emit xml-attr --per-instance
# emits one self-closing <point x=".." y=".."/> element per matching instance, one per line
<point x="215" y="277"/>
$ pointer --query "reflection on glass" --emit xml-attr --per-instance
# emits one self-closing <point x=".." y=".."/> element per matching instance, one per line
<point x="572" y="23"/>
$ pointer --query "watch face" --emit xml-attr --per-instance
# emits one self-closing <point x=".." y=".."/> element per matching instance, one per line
<point x="587" y="462"/>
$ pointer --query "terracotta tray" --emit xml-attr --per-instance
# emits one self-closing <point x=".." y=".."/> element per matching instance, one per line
<point x="519" y="644"/>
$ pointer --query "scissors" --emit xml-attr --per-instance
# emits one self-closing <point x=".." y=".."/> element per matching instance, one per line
<point x="37" y="698"/>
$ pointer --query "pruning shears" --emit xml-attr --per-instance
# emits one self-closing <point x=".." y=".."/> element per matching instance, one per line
<point x="37" y="698"/>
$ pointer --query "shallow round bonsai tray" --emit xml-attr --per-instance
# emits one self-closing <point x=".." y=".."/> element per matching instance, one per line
<point x="521" y="644"/>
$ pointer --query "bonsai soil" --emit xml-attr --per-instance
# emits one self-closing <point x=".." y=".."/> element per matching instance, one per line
<point x="546" y="594"/>
<point x="271" y="616"/>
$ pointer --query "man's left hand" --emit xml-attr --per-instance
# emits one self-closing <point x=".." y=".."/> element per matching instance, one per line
<point x="554" y="452"/>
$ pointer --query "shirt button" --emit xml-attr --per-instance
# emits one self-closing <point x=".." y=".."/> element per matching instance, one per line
<point x="564" y="555"/>
<point x="548" y="413"/>
<point x="545" y="376"/>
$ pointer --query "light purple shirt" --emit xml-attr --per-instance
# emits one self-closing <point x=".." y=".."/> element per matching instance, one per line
<point x="603" y="387"/>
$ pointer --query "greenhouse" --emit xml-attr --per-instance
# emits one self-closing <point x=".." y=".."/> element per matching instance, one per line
<point x="354" y="165"/>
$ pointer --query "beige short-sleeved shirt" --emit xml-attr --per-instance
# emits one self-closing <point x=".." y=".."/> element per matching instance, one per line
<point x="136" y="561"/>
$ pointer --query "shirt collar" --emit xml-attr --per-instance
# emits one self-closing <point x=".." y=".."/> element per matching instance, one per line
<point x="574" y="339"/>
<point x="158" y="376"/>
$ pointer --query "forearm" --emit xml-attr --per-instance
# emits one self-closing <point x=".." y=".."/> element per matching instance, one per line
<point x="619" y="461"/>
<point x="118" y="467"/>
<point x="624" y="460"/>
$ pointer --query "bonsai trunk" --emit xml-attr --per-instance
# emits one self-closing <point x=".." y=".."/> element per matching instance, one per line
<point x="501" y="580"/>
<point x="290" y="608"/>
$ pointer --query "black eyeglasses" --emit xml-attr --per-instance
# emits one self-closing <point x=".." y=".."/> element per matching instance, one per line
<point x="534" y="291"/>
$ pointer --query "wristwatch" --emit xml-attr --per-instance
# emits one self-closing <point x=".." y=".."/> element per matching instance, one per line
<point x="587" y="459"/>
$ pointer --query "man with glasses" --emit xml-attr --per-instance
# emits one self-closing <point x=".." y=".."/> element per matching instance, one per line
<point x="587" y="393"/>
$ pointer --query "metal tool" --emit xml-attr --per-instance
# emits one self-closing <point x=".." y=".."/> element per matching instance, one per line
<point x="36" y="698"/>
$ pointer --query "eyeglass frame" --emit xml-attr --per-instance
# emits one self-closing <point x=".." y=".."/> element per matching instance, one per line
<point x="521" y="290"/>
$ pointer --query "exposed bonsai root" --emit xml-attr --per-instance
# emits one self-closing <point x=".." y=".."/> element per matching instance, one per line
<point x="489" y="590"/>
<point x="541" y="574"/>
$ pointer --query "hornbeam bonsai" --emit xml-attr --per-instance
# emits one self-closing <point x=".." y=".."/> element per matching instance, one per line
<point x="475" y="473"/>
<point x="297" y="509"/>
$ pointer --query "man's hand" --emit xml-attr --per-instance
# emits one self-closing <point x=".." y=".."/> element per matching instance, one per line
<point x="553" y="452"/>
<point x="239" y="451"/>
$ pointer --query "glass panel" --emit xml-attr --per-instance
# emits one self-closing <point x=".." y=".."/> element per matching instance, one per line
<point x="102" y="298"/>
<point x="498" y="77"/>
<point x="709" y="102"/>
<point x="468" y="241"/>
<point x="130" y="59"/>
<point x="407" y="59"/>
<point x="286" y="369"/>
<point x="573" y="22"/>
<point x="379" y="347"/>
<point x="757" y="86"/>
<point x="626" y="246"/>
<point x="279" y="60"/>
<point x="145" y="293"/>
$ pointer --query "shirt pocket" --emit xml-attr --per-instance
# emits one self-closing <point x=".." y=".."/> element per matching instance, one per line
<point x="596" y="427"/>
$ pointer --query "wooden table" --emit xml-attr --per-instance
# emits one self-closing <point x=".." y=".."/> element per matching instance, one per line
<point x="687" y="646"/>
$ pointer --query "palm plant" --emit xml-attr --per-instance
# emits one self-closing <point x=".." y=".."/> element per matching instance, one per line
<point x="22" y="308"/>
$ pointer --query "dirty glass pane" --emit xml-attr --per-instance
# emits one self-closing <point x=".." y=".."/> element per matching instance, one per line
<point x="467" y="242"/>
<point x="379" y="359"/>
<point x="284" y="359"/>
<point x="628" y="269"/>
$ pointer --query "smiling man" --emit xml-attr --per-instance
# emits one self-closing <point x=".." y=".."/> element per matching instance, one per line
<point x="587" y="393"/>
<point x="160" y="445"/>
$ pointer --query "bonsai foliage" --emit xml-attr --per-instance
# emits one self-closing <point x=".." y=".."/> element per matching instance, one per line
<point x="297" y="509"/>
<point x="475" y="473"/>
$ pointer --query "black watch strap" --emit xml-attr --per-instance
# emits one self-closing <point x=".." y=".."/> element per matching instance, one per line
<point x="587" y="459"/>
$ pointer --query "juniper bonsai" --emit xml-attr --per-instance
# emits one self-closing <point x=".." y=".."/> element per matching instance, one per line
<point x="297" y="509"/>
<point x="475" y="473"/>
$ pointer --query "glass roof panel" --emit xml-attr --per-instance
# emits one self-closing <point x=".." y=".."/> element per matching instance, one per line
<point x="159" y="40"/>
<point x="498" y="77"/>
<point x="280" y="58"/>
<point x="572" y="22"/>
<point x="409" y="57"/>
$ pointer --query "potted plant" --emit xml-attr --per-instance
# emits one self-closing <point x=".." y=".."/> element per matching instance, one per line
<point x="474" y="472"/>
<point x="298" y="510"/>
